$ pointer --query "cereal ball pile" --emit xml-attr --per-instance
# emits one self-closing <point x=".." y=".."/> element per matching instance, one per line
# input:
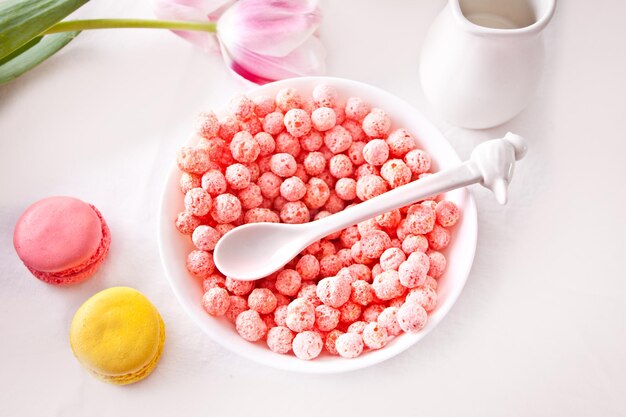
<point x="295" y="158"/>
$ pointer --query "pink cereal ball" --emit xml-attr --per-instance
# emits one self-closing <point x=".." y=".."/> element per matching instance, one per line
<point x="392" y="258"/>
<point x="189" y="181"/>
<point x="387" y="285"/>
<point x="198" y="202"/>
<point x="437" y="264"/>
<point x="253" y="125"/>
<point x="349" y="345"/>
<point x="400" y="142"/>
<point x="418" y="161"/>
<point x="301" y="173"/>
<point x="244" y="147"/>
<point x="331" y="339"/>
<point x="356" y="108"/>
<point x="328" y="179"/>
<point x="260" y="215"/>
<point x="344" y="274"/>
<point x="279" y="339"/>
<point x="216" y="149"/>
<point x="224" y="228"/>
<point x="293" y="189"/>
<point x="214" y="182"/>
<point x="350" y="312"/>
<point x="333" y="205"/>
<point x="238" y="305"/>
<point x="280" y="314"/>
<point x="216" y="301"/>
<point x="345" y="188"/>
<point x="317" y="193"/>
<point x="326" y="317"/>
<point x="372" y="311"/>
<point x="200" y="263"/>
<point x="208" y="125"/>
<point x="362" y="293"/>
<point x="431" y="282"/>
<point x="355" y="129"/>
<point x="288" y="98"/>
<point x="438" y="238"/>
<point x="376" y="152"/>
<point x="388" y="319"/>
<point x="355" y="152"/>
<point x="323" y="119"/>
<point x="337" y="139"/>
<point x="186" y="222"/>
<point x="367" y="226"/>
<point x="308" y="267"/>
<point x="255" y="171"/>
<point x="238" y="287"/>
<point x="345" y="256"/>
<point x="308" y="292"/>
<point x="274" y="123"/>
<point x="340" y="114"/>
<point x="288" y="282"/>
<point x="374" y="243"/>
<point x="374" y="336"/>
<point x="241" y="107"/>
<point x="411" y="317"/>
<point x="333" y="292"/>
<point x="297" y="122"/>
<point x="330" y="265"/>
<point x="250" y="326"/>
<point x="312" y="142"/>
<point x="263" y="105"/>
<point x="307" y="345"/>
<point x="357" y="254"/>
<point x="364" y="170"/>
<point x="295" y="212"/>
<point x="424" y="296"/>
<point x="283" y="164"/>
<point x="250" y="197"/>
<point x="300" y="315"/>
<point x="237" y="176"/>
<point x="226" y="208"/>
<point x="420" y="219"/>
<point x="228" y="127"/>
<point x="414" y="243"/>
<point x="412" y="272"/>
<point x="447" y="213"/>
<point x="262" y="300"/>
<point x="279" y="203"/>
<point x="340" y="166"/>
<point x="396" y="173"/>
<point x="213" y="281"/>
<point x="377" y="270"/>
<point x="287" y="143"/>
<point x="349" y="236"/>
<point x="357" y="327"/>
<point x="266" y="143"/>
<point x="269" y="184"/>
<point x="370" y="186"/>
<point x="205" y="237"/>
<point x="193" y="160"/>
<point x="377" y="123"/>
<point x="314" y="163"/>
<point x="325" y="95"/>
<point x="360" y="272"/>
<point x="390" y="219"/>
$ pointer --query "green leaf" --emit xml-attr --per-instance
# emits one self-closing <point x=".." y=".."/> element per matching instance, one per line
<point x="39" y="50"/>
<point x="21" y="49"/>
<point x="23" y="20"/>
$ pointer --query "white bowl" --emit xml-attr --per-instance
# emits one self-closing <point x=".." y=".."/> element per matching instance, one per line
<point x="174" y="247"/>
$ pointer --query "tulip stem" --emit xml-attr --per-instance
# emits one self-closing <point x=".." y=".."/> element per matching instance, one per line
<point x="73" y="25"/>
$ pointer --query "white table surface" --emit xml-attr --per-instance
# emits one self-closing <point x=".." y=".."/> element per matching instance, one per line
<point x="538" y="331"/>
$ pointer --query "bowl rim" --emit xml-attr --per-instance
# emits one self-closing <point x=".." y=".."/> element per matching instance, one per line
<point x="337" y="365"/>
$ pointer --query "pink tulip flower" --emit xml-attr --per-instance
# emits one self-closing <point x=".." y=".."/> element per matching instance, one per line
<point x="260" y="40"/>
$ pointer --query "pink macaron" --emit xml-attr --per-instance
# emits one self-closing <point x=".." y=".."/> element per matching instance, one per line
<point x="62" y="240"/>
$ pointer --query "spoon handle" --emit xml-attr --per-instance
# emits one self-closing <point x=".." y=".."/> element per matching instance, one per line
<point x="449" y="179"/>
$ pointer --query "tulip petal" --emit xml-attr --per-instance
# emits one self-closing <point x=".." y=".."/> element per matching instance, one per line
<point x="308" y="59"/>
<point x="193" y="11"/>
<point x="269" y="27"/>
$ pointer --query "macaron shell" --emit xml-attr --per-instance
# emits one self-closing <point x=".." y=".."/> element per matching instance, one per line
<point x="117" y="334"/>
<point x="57" y="233"/>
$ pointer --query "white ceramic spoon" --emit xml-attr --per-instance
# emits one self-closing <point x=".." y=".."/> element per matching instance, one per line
<point x="256" y="250"/>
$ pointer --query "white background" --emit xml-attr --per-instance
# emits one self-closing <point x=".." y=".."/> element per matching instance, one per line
<point x="538" y="331"/>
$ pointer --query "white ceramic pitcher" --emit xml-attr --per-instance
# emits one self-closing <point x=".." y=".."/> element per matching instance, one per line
<point x="482" y="59"/>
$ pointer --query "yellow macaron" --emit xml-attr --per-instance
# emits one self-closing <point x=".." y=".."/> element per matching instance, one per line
<point x="118" y="335"/>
